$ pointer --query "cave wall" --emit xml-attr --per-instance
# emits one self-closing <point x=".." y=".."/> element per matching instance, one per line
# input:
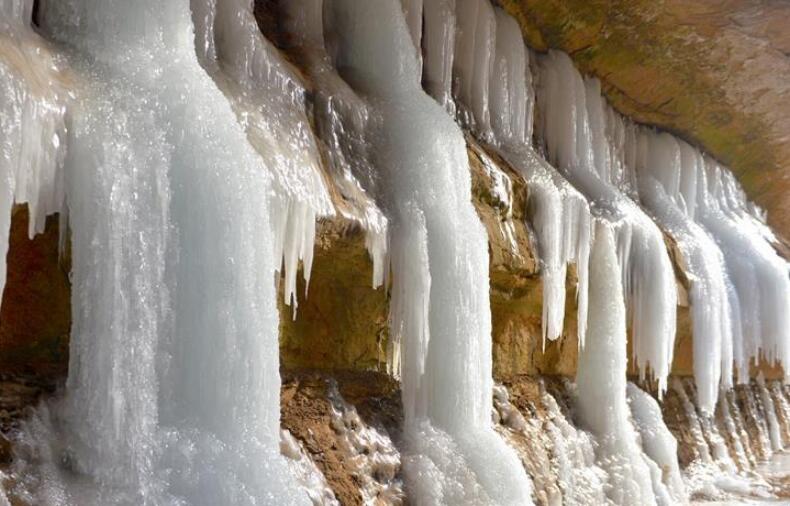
<point x="706" y="69"/>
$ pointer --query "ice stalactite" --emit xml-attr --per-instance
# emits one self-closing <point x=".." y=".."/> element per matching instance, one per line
<point x="760" y="294"/>
<point x="559" y="214"/>
<point x="473" y="63"/>
<point x="340" y="117"/>
<point x="32" y="124"/>
<point x="666" y="190"/>
<point x="438" y="50"/>
<point x="574" y="129"/>
<point x="439" y="254"/>
<point x="493" y="86"/>
<point x="601" y="381"/>
<point x="173" y="388"/>
<point x="269" y="101"/>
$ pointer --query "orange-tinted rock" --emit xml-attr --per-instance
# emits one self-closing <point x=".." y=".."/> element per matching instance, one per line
<point x="35" y="316"/>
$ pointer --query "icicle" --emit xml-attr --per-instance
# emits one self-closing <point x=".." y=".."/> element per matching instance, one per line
<point x="269" y="101"/>
<point x="659" y="181"/>
<point x="439" y="48"/>
<point x="558" y="213"/>
<point x="473" y="63"/>
<point x="340" y="117"/>
<point x="32" y="127"/>
<point x="453" y="454"/>
<point x="412" y="9"/>
<point x="575" y="131"/>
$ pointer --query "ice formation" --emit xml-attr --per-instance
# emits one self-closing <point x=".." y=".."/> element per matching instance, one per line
<point x="438" y="50"/>
<point x="580" y="141"/>
<point x="559" y="457"/>
<point x="340" y="117"/>
<point x="173" y="387"/>
<point x="657" y="442"/>
<point x="32" y="125"/>
<point x="440" y="306"/>
<point x="371" y="451"/>
<point x="560" y="215"/>
<point x="760" y="292"/>
<point x="306" y="472"/>
<point x="664" y="188"/>
<point x="601" y="381"/>
<point x="269" y="101"/>
<point x="494" y="94"/>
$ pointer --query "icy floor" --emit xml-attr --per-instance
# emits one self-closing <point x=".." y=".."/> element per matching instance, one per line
<point x="776" y="470"/>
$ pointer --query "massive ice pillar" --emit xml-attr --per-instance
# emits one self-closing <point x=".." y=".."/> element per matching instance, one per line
<point x="440" y="307"/>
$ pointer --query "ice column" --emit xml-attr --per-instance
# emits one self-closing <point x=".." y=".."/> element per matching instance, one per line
<point x="173" y="388"/>
<point x="601" y="379"/>
<point x="440" y="305"/>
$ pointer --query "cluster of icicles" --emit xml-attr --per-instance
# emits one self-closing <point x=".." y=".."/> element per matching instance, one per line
<point x="175" y="140"/>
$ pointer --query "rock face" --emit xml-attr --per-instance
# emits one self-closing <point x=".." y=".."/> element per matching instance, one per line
<point x="35" y="316"/>
<point x="713" y="71"/>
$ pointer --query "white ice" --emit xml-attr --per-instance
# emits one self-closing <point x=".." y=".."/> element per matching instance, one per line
<point x="439" y="267"/>
<point x="601" y="381"/>
<point x="32" y="124"/>
<point x="269" y="101"/>
<point x="173" y="388"/>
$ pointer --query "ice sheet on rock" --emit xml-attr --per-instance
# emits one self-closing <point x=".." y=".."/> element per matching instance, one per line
<point x="376" y="461"/>
<point x="769" y="413"/>
<point x="574" y="121"/>
<point x="340" y="117"/>
<point x="657" y="442"/>
<point x="571" y="477"/>
<point x="306" y="472"/>
<point x="173" y="380"/>
<point x="32" y="125"/>
<point x="601" y="380"/>
<point x="424" y="186"/>
<point x="731" y="424"/>
<point x="502" y="190"/>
